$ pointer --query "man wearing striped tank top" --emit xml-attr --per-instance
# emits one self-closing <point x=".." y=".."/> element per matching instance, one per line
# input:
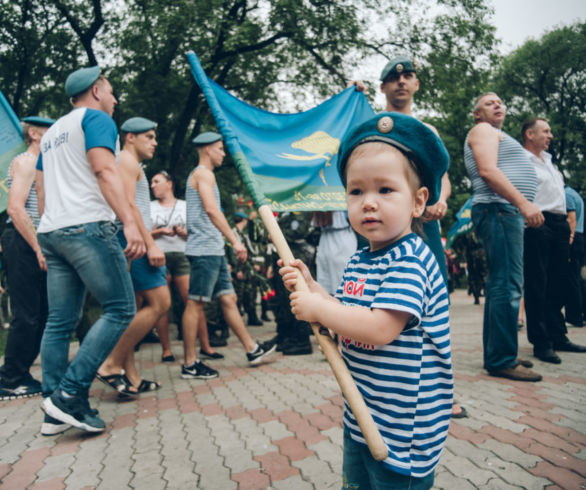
<point x="209" y="278"/>
<point x="26" y="268"/>
<point x="148" y="272"/>
<point x="504" y="183"/>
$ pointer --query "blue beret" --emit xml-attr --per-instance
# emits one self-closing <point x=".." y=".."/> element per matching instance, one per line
<point x="241" y="214"/>
<point x="138" y="125"/>
<point x="80" y="80"/>
<point x="206" y="138"/>
<point x="400" y="64"/>
<point x="43" y="122"/>
<point x="412" y="137"/>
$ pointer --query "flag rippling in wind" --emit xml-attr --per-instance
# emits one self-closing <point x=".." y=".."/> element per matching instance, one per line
<point x="11" y="144"/>
<point x="293" y="157"/>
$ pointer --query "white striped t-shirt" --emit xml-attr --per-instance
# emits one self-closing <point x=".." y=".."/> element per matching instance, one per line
<point x="406" y="384"/>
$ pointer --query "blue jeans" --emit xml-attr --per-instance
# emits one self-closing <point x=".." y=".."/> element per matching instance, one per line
<point x="360" y="471"/>
<point x="500" y="229"/>
<point x="79" y="257"/>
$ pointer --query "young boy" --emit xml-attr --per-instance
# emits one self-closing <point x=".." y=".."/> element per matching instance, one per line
<point x="391" y="309"/>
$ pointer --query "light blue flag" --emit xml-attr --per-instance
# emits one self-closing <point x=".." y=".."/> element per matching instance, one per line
<point x="293" y="156"/>
<point x="11" y="144"/>
<point x="462" y="225"/>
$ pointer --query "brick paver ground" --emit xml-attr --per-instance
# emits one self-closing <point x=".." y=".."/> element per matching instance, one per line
<point x="279" y="426"/>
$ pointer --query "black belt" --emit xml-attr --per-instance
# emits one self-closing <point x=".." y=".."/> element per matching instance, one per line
<point x="554" y="216"/>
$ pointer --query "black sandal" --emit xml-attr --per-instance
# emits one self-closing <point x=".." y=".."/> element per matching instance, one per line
<point x="147" y="385"/>
<point x="115" y="381"/>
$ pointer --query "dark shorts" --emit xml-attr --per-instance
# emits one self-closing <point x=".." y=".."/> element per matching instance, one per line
<point x="177" y="264"/>
<point x="209" y="277"/>
<point x="144" y="275"/>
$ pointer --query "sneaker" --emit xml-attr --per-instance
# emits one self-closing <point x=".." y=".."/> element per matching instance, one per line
<point x="51" y="426"/>
<point x="25" y="390"/>
<point x="208" y="355"/>
<point x="518" y="373"/>
<point x="198" y="370"/>
<point x="262" y="351"/>
<point x="73" y="411"/>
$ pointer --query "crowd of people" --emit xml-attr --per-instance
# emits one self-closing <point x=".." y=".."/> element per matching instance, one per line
<point x="81" y="220"/>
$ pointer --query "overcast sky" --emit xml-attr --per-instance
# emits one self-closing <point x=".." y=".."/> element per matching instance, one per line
<point x="518" y="20"/>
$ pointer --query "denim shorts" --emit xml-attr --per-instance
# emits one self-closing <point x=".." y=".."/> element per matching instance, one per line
<point x="361" y="471"/>
<point x="144" y="275"/>
<point x="209" y="277"/>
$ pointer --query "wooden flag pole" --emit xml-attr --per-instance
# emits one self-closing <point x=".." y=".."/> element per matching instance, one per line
<point x="375" y="442"/>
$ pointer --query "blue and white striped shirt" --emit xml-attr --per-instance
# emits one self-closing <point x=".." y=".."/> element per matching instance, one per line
<point x="513" y="161"/>
<point x="406" y="384"/>
<point x="30" y="206"/>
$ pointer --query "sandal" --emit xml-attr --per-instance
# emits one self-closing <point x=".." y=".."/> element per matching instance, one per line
<point x="125" y="389"/>
<point x="115" y="381"/>
<point x="147" y="385"/>
<point x="169" y="358"/>
<point x="462" y="414"/>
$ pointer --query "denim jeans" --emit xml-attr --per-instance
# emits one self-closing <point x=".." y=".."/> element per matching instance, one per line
<point x="360" y="471"/>
<point x="500" y="229"/>
<point x="27" y="285"/>
<point x="79" y="257"/>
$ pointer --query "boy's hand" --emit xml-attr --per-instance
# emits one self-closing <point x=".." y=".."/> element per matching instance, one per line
<point x="290" y="273"/>
<point x="305" y="305"/>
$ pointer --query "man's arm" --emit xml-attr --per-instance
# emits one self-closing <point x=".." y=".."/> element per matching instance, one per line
<point x="572" y="222"/>
<point x="23" y="175"/>
<point x="104" y="167"/>
<point x="130" y="173"/>
<point x="40" y="188"/>
<point x="484" y="140"/>
<point x="203" y="181"/>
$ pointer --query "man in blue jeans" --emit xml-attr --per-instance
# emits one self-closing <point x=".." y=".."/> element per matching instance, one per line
<point x="80" y="193"/>
<point x="504" y="185"/>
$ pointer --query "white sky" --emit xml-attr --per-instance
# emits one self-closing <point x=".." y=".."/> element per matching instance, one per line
<point x="518" y="20"/>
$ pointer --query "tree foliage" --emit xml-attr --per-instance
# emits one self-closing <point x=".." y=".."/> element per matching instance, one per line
<point x="547" y="78"/>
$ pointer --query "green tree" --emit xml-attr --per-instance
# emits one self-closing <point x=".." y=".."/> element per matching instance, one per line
<point x="547" y="78"/>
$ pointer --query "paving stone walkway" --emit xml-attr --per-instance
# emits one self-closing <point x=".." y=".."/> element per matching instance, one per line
<point x="278" y="426"/>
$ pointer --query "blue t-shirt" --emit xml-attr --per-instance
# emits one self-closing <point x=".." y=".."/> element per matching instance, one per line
<point x="574" y="202"/>
<point x="408" y="383"/>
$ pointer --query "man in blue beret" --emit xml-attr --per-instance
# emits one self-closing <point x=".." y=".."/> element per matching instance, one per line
<point x="210" y="278"/>
<point x="503" y="188"/>
<point x="25" y="268"/>
<point x="83" y="194"/>
<point x="148" y="272"/>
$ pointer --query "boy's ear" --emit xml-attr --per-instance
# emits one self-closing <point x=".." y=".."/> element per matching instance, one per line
<point x="420" y="199"/>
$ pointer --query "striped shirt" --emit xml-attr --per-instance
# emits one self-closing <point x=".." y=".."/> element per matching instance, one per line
<point x="30" y="205"/>
<point x="406" y="384"/>
<point x="142" y="199"/>
<point x="513" y="161"/>
<point x="203" y="238"/>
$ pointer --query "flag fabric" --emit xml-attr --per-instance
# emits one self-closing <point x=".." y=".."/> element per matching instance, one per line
<point x="11" y="144"/>
<point x="293" y="157"/>
<point x="462" y="225"/>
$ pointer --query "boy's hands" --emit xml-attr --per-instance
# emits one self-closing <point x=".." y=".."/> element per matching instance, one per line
<point x="305" y="305"/>
<point x="290" y="273"/>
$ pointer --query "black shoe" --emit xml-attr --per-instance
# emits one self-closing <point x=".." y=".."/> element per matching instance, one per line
<point x="198" y="370"/>
<point x="208" y="355"/>
<point x="150" y="338"/>
<point x="547" y="355"/>
<point x="578" y="324"/>
<point x="73" y="411"/>
<point x="298" y="348"/>
<point x="262" y="351"/>
<point x="264" y="317"/>
<point x="569" y="346"/>
<point x="283" y="343"/>
<point x="27" y="388"/>
<point x="253" y="321"/>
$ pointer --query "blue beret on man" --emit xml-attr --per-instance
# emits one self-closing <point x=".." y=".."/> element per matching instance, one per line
<point x="80" y="80"/>
<point x="419" y="144"/>
<point x="398" y="65"/>
<point x="43" y="122"/>
<point x="138" y="125"/>
<point x="207" y="138"/>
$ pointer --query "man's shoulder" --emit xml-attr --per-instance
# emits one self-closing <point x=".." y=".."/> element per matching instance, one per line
<point x="127" y="161"/>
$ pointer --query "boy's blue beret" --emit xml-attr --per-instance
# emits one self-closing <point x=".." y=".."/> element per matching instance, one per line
<point x="412" y="137"/>
<point x="398" y="65"/>
<point x="138" y="125"/>
<point x="43" y="122"/>
<point x="206" y="138"/>
<point x="241" y="214"/>
<point x="80" y="80"/>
